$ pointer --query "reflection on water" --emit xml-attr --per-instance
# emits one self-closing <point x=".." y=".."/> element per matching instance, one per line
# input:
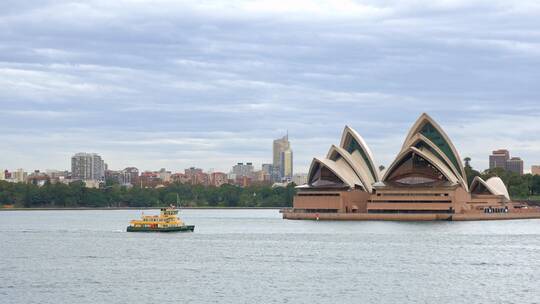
<point x="248" y="256"/>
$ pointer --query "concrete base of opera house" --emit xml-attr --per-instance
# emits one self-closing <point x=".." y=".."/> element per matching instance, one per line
<point x="291" y="215"/>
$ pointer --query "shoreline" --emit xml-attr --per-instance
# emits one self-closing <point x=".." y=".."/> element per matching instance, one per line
<point x="136" y="208"/>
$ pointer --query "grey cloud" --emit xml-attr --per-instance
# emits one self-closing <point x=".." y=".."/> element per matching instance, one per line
<point x="158" y="84"/>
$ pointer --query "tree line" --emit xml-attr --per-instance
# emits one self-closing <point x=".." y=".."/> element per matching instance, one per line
<point x="75" y="194"/>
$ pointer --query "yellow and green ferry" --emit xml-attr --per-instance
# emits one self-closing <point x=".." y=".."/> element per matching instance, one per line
<point x="166" y="221"/>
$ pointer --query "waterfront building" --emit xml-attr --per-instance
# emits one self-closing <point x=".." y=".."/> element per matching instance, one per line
<point x="501" y="159"/>
<point x="87" y="166"/>
<point x="280" y="145"/>
<point x="535" y="170"/>
<point x="426" y="181"/>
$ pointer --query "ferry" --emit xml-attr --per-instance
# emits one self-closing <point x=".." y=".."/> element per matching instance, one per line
<point x="166" y="221"/>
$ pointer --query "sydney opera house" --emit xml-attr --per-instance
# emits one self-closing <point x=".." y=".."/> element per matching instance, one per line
<point x="426" y="181"/>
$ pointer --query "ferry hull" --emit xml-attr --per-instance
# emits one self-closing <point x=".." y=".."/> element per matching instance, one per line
<point x="186" y="228"/>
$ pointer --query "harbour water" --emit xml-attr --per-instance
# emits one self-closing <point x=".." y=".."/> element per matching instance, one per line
<point x="253" y="256"/>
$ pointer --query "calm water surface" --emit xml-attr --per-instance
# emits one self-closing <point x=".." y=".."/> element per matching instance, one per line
<point x="253" y="256"/>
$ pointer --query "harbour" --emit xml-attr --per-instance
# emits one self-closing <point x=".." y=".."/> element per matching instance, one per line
<point x="246" y="256"/>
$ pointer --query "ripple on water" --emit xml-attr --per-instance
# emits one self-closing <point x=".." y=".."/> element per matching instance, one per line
<point x="244" y="256"/>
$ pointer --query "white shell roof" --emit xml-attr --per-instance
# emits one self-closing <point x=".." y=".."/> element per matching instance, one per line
<point x="494" y="185"/>
<point x="430" y="157"/>
<point x="341" y="169"/>
<point x="359" y="168"/>
<point x="416" y="128"/>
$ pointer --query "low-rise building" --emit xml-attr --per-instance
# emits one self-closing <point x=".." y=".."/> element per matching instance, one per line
<point x="19" y="176"/>
<point x="37" y="178"/>
<point x="218" y="178"/>
<point x="164" y="175"/>
<point x="300" y="179"/>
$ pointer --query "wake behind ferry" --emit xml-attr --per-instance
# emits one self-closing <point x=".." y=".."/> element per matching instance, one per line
<point x="166" y="221"/>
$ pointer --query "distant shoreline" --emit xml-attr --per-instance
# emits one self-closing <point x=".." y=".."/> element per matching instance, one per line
<point x="137" y="208"/>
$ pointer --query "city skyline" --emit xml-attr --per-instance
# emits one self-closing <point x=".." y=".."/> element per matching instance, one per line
<point x="527" y="167"/>
<point x="185" y="85"/>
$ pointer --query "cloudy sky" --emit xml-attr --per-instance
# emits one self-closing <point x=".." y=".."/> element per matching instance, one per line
<point x="210" y="83"/>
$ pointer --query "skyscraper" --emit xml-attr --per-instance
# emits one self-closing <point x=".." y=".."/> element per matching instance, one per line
<point x="87" y="166"/>
<point x="282" y="158"/>
<point x="286" y="164"/>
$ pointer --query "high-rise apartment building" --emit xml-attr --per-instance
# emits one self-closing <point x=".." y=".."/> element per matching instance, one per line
<point x="87" y="166"/>
<point x="243" y="170"/>
<point x="498" y="159"/>
<point x="501" y="159"/>
<point x="515" y="164"/>
<point x="281" y="153"/>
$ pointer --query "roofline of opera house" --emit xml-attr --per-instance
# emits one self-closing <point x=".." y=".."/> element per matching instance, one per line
<point x="426" y="181"/>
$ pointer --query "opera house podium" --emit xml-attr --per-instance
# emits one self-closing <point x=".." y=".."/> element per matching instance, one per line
<point x="426" y="181"/>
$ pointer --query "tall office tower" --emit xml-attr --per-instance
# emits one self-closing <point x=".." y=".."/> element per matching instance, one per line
<point x="499" y="158"/>
<point x="515" y="164"/>
<point x="280" y="146"/>
<point x="87" y="166"/>
<point x="287" y="164"/>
